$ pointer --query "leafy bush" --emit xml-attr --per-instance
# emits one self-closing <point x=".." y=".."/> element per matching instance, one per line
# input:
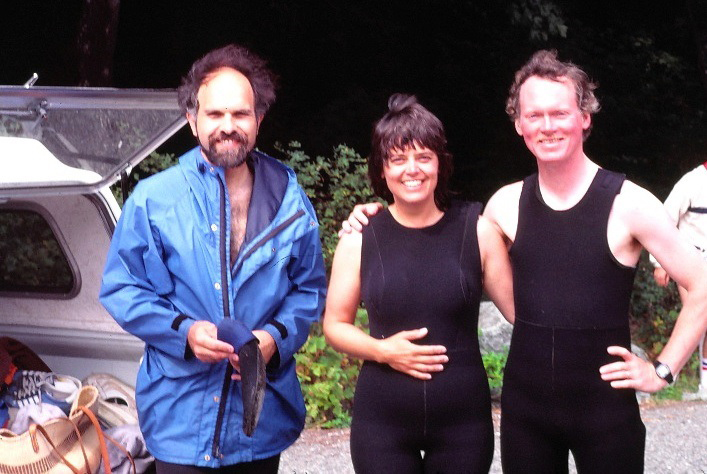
<point x="334" y="185"/>
<point x="494" y="363"/>
<point x="328" y="378"/>
<point x="654" y="310"/>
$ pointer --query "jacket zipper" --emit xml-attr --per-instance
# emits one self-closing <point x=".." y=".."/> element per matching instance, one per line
<point x="215" y="447"/>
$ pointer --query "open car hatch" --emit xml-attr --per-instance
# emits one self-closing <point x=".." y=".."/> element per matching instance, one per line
<point x="57" y="140"/>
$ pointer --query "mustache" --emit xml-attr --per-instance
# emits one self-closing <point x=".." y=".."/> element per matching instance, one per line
<point x="235" y="136"/>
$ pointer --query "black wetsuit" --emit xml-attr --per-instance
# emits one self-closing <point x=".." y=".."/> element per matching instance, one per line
<point x="572" y="299"/>
<point x="414" y="278"/>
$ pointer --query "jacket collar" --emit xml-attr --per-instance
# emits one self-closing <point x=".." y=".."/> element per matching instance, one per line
<point x="270" y="182"/>
<point x="269" y="186"/>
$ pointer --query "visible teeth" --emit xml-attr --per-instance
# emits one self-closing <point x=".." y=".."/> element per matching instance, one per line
<point x="412" y="183"/>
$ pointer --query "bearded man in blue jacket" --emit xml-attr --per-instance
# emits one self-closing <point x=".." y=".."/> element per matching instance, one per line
<point x="227" y="233"/>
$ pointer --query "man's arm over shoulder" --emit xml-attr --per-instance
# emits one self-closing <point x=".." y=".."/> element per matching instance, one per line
<point x="359" y="217"/>
<point x="502" y="210"/>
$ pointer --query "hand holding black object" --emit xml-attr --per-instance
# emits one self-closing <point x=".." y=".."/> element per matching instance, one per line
<point x="252" y="369"/>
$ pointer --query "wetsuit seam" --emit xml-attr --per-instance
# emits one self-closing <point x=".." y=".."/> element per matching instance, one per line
<point x="553" y="359"/>
<point x="380" y="263"/>
<point x="424" y="406"/>
<point x="461" y="256"/>
<point x="568" y="328"/>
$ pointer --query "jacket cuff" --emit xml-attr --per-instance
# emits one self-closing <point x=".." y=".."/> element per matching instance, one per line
<point x="279" y="333"/>
<point x="182" y="323"/>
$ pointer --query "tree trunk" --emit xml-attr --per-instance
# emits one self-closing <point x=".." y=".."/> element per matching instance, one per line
<point x="96" y="42"/>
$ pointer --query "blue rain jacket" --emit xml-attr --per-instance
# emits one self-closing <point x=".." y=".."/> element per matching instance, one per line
<point x="167" y="267"/>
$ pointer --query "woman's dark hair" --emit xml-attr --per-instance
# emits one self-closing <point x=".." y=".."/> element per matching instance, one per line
<point x="254" y="68"/>
<point x="544" y="64"/>
<point x="406" y="124"/>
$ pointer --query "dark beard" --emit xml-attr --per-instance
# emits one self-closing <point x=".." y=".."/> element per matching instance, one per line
<point x="230" y="158"/>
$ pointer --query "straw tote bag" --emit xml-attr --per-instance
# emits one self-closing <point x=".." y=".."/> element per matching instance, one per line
<point x="60" y="446"/>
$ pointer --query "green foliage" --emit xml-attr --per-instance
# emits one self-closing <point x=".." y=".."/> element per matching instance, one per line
<point x="494" y="363"/>
<point x="654" y="309"/>
<point x="334" y="185"/>
<point x="328" y="378"/>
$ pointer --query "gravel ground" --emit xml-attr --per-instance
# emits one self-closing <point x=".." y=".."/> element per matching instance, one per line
<point x="676" y="442"/>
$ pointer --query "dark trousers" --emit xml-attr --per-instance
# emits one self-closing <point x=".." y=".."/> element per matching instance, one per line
<point x="261" y="466"/>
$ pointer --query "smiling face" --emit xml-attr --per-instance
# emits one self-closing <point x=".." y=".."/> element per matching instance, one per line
<point x="411" y="174"/>
<point x="225" y="123"/>
<point x="550" y="120"/>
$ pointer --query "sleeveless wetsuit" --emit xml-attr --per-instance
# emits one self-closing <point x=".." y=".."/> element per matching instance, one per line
<point x="414" y="278"/>
<point x="572" y="299"/>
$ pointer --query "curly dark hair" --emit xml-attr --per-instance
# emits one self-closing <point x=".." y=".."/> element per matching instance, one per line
<point x="544" y="64"/>
<point x="254" y="68"/>
<point x="407" y="123"/>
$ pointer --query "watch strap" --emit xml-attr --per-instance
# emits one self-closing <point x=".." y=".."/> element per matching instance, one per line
<point x="663" y="371"/>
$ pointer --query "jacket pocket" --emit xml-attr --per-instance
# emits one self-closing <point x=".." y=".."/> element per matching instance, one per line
<point x="173" y="367"/>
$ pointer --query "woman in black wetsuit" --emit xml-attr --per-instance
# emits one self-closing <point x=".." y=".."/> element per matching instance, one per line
<point x="419" y="267"/>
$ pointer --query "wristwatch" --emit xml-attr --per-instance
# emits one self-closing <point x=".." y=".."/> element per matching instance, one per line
<point x="663" y="371"/>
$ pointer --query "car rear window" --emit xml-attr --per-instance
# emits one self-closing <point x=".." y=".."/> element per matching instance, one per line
<point x="31" y="256"/>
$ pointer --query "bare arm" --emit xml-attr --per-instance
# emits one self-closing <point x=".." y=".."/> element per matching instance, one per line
<point x="398" y="351"/>
<point x="646" y="220"/>
<point x="496" y="266"/>
<point x="502" y="211"/>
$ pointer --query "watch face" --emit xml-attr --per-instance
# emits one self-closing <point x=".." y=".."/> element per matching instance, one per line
<point x="662" y="371"/>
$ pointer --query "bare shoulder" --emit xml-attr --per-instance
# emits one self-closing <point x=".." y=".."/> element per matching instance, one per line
<point x="635" y="201"/>
<point x="488" y="234"/>
<point x="503" y="201"/>
<point x="502" y="209"/>
<point x="486" y="228"/>
<point x="639" y="214"/>
<point x="508" y="192"/>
